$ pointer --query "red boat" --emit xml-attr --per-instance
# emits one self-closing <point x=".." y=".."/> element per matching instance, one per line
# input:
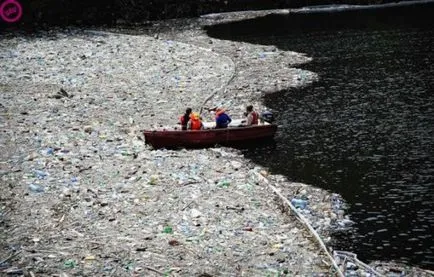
<point x="231" y="136"/>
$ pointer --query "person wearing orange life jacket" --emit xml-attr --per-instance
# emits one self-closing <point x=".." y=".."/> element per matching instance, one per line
<point x="252" y="116"/>
<point x="195" y="123"/>
<point x="183" y="119"/>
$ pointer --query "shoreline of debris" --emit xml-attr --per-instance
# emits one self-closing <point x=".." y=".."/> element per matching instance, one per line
<point x="84" y="195"/>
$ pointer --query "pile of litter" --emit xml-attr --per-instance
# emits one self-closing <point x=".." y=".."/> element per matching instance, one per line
<point x="86" y="196"/>
<point x="83" y="195"/>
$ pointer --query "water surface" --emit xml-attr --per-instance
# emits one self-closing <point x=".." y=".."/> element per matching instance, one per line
<point x="365" y="129"/>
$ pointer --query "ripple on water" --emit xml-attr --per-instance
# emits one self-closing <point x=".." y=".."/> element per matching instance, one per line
<point x="365" y="129"/>
<point x="367" y="134"/>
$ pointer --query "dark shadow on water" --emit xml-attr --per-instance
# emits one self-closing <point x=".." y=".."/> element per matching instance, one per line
<point x="366" y="128"/>
<point x="297" y="23"/>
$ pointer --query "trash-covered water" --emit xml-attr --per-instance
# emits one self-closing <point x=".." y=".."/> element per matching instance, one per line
<point x="364" y="130"/>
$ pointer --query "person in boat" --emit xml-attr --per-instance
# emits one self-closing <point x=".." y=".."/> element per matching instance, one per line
<point x="222" y="120"/>
<point x="195" y="122"/>
<point x="183" y="119"/>
<point x="252" y="116"/>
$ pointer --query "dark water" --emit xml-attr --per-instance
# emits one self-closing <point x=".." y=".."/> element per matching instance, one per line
<point x="364" y="130"/>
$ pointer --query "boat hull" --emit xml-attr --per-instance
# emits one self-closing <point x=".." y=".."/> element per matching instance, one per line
<point x="233" y="136"/>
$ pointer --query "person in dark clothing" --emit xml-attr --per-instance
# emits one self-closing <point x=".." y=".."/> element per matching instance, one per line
<point x="222" y="119"/>
<point x="183" y="119"/>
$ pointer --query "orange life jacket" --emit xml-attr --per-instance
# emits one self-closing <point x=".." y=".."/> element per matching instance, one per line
<point x="195" y="124"/>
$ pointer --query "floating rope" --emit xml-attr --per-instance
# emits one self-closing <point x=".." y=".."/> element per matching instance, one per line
<point x="353" y="257"/>
<point x="303" y="220"/>
<point x="224" y="86"/>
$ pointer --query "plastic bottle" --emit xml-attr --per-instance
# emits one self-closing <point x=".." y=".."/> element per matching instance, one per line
<point x="36" y="188"/>
<point x="168" y="230"/>
<point x="224" y="184"/>
<point x="40" y="174"/>
<point x="299" y="203"/>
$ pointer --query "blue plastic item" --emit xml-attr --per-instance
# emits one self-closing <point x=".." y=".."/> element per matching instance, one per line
<point x="299" y="203"/>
